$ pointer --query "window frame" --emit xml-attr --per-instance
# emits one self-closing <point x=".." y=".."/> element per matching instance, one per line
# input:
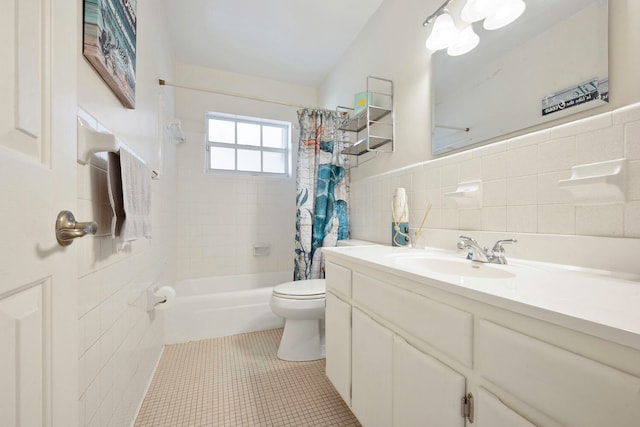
<point x="286" y="150"/>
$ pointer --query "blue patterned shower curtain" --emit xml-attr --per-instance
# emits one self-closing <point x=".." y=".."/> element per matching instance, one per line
<point x="322" y="194"/>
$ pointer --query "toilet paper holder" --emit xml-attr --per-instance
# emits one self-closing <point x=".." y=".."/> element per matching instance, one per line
<point x="158" y="299"/>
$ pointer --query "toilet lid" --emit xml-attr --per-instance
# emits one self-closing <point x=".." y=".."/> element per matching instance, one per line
<point x="301" y="289"/>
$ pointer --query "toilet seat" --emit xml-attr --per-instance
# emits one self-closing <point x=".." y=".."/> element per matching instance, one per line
<point x="301" y="289"/>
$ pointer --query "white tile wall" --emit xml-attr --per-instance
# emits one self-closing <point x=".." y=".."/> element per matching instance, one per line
<point x="606" y="220"/>
<point x="494" y="166"/>
<point x="522" y="219"/>
<point x="522" y="161"/>
<point x="631" y="215"/>
<point x="221" y="217"/>
<point x="522" y="190"/>
<point x="470" y="219"/>
<point x="119" y="342"/>
<point x="556" y="219"/>
<point x="557" y="155"/>
<point x="520" y="184"/>
<point x="601" y="144"/>
<point x="632" y="138"/>
<point x="494" y="193"/>
<point x="633" y="183"/>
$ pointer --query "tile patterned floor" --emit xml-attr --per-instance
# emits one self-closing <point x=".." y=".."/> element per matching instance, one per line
<point x="239" y="381"/>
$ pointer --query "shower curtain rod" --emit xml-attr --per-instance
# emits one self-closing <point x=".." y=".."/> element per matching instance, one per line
<point x="237" y="95"/>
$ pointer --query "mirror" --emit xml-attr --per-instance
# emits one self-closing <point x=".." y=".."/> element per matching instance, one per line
<point x="551" y="62"/>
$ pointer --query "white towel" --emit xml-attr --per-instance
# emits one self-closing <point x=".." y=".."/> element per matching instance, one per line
<point x="114" y="185"/>
<point x="136" y="195"/>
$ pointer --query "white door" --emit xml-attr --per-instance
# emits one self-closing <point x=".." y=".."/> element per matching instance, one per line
<point x="38" y="325"/>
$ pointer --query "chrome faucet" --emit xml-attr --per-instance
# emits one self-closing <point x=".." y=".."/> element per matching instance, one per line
<point x="476" y="252"/>
<point x="482" y="254"/>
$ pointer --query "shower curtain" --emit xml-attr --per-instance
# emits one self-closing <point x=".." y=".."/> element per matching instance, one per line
<point x="322" y="190"/>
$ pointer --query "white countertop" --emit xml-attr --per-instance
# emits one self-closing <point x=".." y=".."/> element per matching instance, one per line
<point x="597" y="302"/>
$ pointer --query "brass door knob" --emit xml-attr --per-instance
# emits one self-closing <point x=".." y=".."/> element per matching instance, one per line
<point x="67" y="228"/>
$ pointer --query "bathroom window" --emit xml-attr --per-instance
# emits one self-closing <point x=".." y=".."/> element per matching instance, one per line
<point x="247" y="145"/>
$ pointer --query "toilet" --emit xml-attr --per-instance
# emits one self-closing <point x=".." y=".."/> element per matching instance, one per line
<point x="301" y="304"/>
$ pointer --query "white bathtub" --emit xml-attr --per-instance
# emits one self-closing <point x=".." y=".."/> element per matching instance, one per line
<point x="218" y="306"/>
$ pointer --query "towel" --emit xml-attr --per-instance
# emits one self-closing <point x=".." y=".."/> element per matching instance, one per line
<point x="136" y="196"/>
<point x="114" y="185"/>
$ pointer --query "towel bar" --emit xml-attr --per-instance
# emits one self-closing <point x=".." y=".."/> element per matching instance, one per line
<point x="91" y="141"/>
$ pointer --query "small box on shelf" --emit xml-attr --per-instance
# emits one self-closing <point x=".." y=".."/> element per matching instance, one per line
<point x="360" y="102"/>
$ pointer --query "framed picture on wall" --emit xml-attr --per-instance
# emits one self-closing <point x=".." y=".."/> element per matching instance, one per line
<point x="110" y="44"/>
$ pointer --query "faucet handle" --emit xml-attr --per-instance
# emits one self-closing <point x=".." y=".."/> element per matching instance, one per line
<point x="475" y="251"/>
<point x="469" y="238"/>
<point x="498" y="246"/>
<point x="464" y="243"/>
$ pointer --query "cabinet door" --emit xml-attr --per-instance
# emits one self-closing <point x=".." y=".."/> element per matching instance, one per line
<point x="491" y="412"/>
<point x="425" y="391"/>
<point x="338" y="345"/>
<point x="565" y="386"/>
<point x="372" y="347"/>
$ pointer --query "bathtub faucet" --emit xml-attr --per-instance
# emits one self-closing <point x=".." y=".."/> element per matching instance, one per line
<point x="482" y="254"/>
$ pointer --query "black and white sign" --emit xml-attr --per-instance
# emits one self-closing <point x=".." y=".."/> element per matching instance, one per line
<point x="574" y="96"/>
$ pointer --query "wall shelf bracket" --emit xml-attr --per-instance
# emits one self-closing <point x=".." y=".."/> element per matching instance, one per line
<point x="467" y="195"/>
<point x="597" y="183"/>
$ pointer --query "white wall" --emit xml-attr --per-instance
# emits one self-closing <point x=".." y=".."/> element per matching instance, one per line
<point x="519" y="174"/>
<point x="119" y="342"/>
<point x="221" y="216"/>
<point x="392" y="46"/>
<point x="520" y="192"/>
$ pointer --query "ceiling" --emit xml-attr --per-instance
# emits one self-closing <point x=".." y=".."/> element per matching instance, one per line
<point x="296" y="41"/>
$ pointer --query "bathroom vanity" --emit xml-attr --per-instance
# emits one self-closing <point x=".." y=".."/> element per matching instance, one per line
<point x="427" y="338"/>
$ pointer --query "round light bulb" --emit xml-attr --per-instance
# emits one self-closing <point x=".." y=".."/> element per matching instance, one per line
<point x="504" y="14"/>
<point x="444" y="33"/>
<point x="466" y="41"/>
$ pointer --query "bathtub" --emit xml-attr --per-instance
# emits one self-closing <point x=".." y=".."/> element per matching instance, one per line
<point x="218" y="306"/>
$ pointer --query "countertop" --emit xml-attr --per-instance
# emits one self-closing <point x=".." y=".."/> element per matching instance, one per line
<point x="600" y="303"/>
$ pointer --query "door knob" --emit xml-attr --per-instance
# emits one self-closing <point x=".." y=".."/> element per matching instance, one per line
<point x="67" y="228"/>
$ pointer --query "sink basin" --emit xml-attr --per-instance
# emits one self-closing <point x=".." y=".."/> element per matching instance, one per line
<point x="456" y="267"/>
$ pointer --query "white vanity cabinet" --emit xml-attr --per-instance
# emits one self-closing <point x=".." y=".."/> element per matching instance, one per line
<point x="372" y="364"/>
<point x="425" y="390"/>
<point x="491" y="412"/>
<point x="338" y="329"/>
<point x="410" y="353"/>
<point x="338" y="345"/>
<point x="570" y="388"/>
<point x="397" y="384"/>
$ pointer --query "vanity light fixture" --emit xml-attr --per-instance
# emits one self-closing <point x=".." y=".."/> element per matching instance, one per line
<point x="504" y="13"/>
<point x="475" y="10"/>
<point x="466" y="41"/>
<point x="445" y="34"/>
